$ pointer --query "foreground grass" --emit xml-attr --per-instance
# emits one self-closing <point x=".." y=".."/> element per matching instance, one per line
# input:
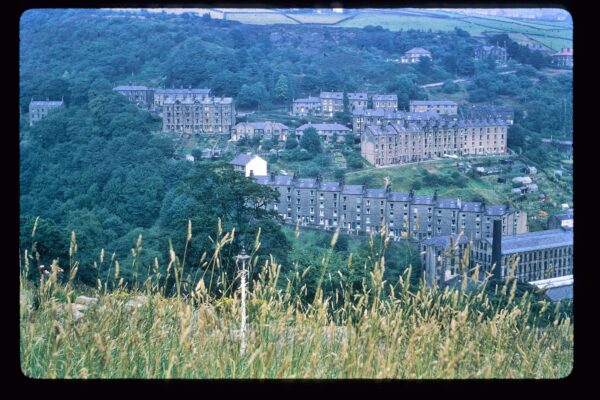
<point x="376" y="333"/>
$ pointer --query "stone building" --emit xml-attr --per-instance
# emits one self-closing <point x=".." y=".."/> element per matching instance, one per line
<point x="250" y="165"/>
<point x="307" y="106"/>
<point x="357" y="100"/>
<point x="331" y="102"/>
<point x="442" y="258"/>
<point x="410" y="141"/>
<point x="414" y="55"/>
<point x="564" y="58"/>
<point x="540" y="255"/>
<point x="495" y="52"/>
<point x="442" y="107"/>
<point x="141" y="96"/>
<point x="386" y="102"/>
<point x="161" y="95"/>
<point x="210" y="115"/>
<point x="361" y="118"/>
<point x="40" y="109"/>
<point x="264" y="129"/>
<point x="488" y="111"/>
<point x="326" y="132"/>
<point x="357" y="209"/>
<point x="562" y="220"/>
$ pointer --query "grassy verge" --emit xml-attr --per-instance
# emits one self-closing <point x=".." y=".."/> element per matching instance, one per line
<point x="383" y="330"/>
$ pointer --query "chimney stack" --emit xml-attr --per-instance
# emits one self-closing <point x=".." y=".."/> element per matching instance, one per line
<point x="497" y="250"/>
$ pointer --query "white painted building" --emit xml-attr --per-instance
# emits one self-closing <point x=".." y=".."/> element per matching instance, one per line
<point x="250" y="165"/>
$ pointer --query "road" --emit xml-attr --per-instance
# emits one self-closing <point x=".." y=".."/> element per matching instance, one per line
<point x="430" y="85"/>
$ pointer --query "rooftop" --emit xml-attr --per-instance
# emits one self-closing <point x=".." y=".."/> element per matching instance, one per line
<point x="129" y="87"/>
<point x="444" y="241"/>
<point x="263" y="125"/>
<point x="564" y="52"/>
<point x="418" y="50"/>
<point x="46" y="103"/>
<point x="535" y="241"/>
<point x="332" y="95"/>
<point x="432" y="103"/>
<point x="357" y="96"/>
<point x="352" y="189"/>
<point x="324" y="127"/>
<point x="376" y="193"/>
<point x="309" y="99"/>
<point x="242" y="159"/>
<point x="385" y="97"/>
<point x="181" y="91"/>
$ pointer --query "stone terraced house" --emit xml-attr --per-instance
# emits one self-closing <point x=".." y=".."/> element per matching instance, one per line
<point x="357" y="209"/>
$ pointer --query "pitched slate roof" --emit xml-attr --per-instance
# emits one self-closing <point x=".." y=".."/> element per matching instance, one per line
<point x="494" y="210"/>
<point x="385" y="97"/>
<point x="564" y="52"/>
<point x="368" y="112"/>
<point x="535" y="241"/>
<point x="357" y="96"/>
<point x="397" y="196"/>
<point x="277" y="180"/>
<point x="423" y="200"/>
<point x="444" y="241"/>
<point x="181" y="91"/>
<point x="129" y="87"/>
<point x="308" y="100"/>
<point x="447" y="203"/>
<point x="332" y="95"/>
<point x="471" y="206"/>
<point x="418" y="50"/>
<point x="46" y="103"/>
<point x="242" y="159"/>
<point x="262" y="125"/>
<point x="323" y="127"/>
<point x="352" y="189"/>
<point x="375" y="193"/>
<point x="306" y="183"/>
<point x="432" y="103"/>
<point x="330" y="186"/>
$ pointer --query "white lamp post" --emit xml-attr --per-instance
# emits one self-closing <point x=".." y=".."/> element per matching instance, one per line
<point x="243" y="257"/>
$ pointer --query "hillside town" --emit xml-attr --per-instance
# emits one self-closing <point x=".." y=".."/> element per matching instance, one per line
<point x="296" y="193"/>
<point x="386" y="136"/>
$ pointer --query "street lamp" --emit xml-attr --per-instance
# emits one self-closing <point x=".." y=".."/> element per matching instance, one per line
<point x="243" y="257"/>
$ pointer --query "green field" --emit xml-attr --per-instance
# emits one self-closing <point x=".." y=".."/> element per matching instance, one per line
<point x="318" y="18"/>
<point x="259" y="18"/>
<point x="402" y="22"/>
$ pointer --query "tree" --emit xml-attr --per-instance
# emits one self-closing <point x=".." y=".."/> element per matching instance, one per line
<point x="252" y="95"/>
<point x="291" y="142"/>
<point x="282" y="90"/>
<point x="311" y="141"/>
<point x="346" y="103"/>
<point x="450" y="87"/>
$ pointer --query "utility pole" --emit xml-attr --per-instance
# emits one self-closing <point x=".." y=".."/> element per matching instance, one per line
<point x="243" y="257"/>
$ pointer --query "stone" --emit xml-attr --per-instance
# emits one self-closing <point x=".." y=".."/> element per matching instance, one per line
<point x="86" y="301"/>
<point x="75" y="309"/>
<point x="136" y="302"/>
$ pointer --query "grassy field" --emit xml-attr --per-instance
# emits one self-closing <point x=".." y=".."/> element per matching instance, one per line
<point x="562" y="32"/>
<point x="259" y="18"/>
<point x="401" y="22"/>
<point x="318" y="18"/>
<point x="379" y="333"/>
<point x="404" y="177"/>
